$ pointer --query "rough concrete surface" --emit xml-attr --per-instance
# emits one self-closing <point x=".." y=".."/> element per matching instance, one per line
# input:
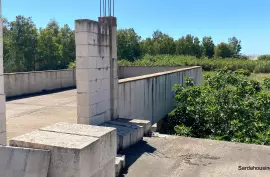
<point x="23" y="162"/>
<point x="171" y="156"/>
<point x="71" y="155"/>
<point x="28" y="114"/>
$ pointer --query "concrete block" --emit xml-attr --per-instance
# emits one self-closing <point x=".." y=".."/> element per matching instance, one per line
<point x="145" y="123"/>
<point x="108" y="170"/>
<point x="2" y="91"/>
<point x="87" y="111"/>
<point x="2" y="122"/>
<point x="2" y="104"/>
<point x="3" y="139"/>
<point x="126" y="136"/>
<point x="71" y="155"/>
<point x="103" y="106"/>
<point x="86" y="62"/>
<point x="137" y="128"/>
<point x="86" y="99"/>
<point x="87" y="86"/>
<point x="23" y="162"/>
<point x="106" y="137"/>
<point x="97" y="119"/>
<point x="82" y="51"/>
<point x="83" y="120"/>
<point x="120" y="164"/>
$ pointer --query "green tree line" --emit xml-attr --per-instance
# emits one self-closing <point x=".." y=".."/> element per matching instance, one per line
<point x="131" y="46"/>
<point x="27" y="48"/>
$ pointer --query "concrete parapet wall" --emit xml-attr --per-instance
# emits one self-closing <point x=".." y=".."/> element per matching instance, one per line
<point x="150" y="97"/>
<point x="134" y="71"/>
<point x="24" y="83"/>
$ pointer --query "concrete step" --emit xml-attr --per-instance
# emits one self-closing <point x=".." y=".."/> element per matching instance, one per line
<point x="120" y="164"/>
<point x="145" y="123"/>
<point x="128" y="132"/>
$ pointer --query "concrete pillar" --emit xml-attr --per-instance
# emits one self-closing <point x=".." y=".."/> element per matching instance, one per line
<point x="112" y="21"/>
<point x="2" y="93"/>
<point x="94" y="72"/>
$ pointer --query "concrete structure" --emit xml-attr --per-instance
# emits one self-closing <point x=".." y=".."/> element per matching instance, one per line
<point x="23" y="162"/>
<point x="24" y="83"/>
<point x="151" y="97"/>
<point x="173" y="156"/>
<point x="134" y="71"/>
<point x="94" y="73"/>
<point x="76" y="150"/>
<point x="2" y="93"/>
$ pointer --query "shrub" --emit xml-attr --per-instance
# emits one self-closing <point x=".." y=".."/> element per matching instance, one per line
<point x="258" y="66"/>
<point x="264" y="57"/>
<point x="229" y="106"/>
<point x="72" y="65"/>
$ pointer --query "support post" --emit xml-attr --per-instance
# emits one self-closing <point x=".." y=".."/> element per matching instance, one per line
<point x="2" y="92"/>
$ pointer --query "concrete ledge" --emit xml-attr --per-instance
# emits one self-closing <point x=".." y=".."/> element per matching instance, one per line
<point x="23" y="162"/>
<point x="156" y="74"/>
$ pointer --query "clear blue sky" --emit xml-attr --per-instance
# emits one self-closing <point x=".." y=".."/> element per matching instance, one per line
<point x="248" y="20"/>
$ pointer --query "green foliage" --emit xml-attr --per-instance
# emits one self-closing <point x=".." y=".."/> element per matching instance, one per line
<point x="20" y="44"/>
<point x="264" y="57"/>
<point x="208" y="47"/>
<point x="223" y="50"/>
<point x="128" y="44"/>
<point x="189" y="45"/>
<point x="26" y="48"/>
<point x="160" y="43"/>
<point x="229" y="106"/>
<point x="256" y="66"/>
<point x="72" y="65"/>
<point x="235" y="46"/>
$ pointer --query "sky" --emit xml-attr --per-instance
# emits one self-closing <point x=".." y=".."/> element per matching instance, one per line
<point x="248" y="20"/>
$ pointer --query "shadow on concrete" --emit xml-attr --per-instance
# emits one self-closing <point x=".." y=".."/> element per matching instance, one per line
<point x="43" y="92"/>
<point x="133" y="153"/>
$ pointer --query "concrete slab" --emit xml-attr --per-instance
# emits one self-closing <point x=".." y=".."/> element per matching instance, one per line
<point x="145" y="123"/>
<point x="72" y="155"/>
<point x="171" y="156"/>
<point x="106" y="137"/>
<point x="23" y="162"/>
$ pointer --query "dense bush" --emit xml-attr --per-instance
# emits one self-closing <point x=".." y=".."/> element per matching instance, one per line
<point x="264" y="57"/>
<point x="229" y="106"/>
<point x="256" y="66"/>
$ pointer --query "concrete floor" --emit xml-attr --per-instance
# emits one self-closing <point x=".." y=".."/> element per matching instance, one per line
<point x="190" y="157"/>
<point x="27" y="114"/>
<point x="167" y="156"/>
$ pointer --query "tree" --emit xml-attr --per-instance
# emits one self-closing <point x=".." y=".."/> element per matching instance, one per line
<point x="67" y="46"/>
<point x="49" y="48"/>
<point x="196" y="49"/>
<point x="208" y="47"/>
<point x="147" y="46"/>
<point x="163" y="43"/>
<point x="20" y="44"/>
<point x="128" y="44"/>
<point x="189" y="45"/>
<point x="223" y="50"/>
<point x="235" y="46"/>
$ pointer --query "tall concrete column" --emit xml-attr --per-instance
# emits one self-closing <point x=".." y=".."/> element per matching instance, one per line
<point x="2" y="92"/>
<point x="112" y="21"/>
